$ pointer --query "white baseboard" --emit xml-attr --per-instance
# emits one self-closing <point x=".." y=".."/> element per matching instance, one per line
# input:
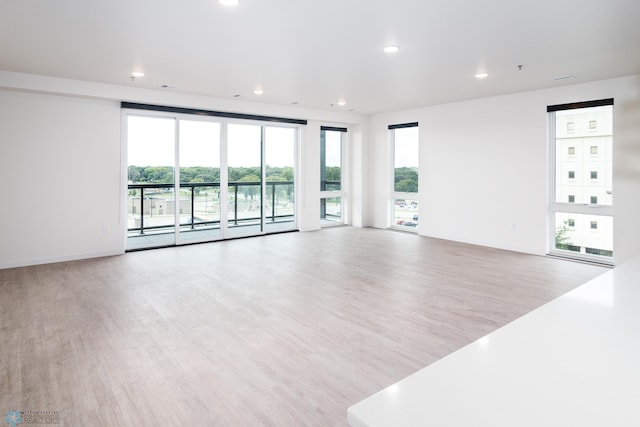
<point x="58" y="258"/>
<point x="487" y="244"/>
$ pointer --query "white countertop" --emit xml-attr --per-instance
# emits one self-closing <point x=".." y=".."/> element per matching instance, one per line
<point x="572" y="362"/>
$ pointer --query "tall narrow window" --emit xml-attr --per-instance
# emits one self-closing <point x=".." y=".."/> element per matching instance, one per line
<point x="332" y="175"/>
<point x="582" y="202"/>
<point x="404" y="197"/>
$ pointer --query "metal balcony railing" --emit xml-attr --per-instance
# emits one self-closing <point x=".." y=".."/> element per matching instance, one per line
<point x="152" y="207"/>
<point x="328" y="185"/>
<point x="325" y="213"/>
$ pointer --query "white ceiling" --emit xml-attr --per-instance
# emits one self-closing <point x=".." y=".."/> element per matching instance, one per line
<point x="318" y="52"/>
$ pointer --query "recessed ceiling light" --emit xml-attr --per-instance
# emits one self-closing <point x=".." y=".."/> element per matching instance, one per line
<point x="391" y="49"/>
<point x="229" y="2"/>
<point x="482" y="75"/>
<point x="258" y="92"/>
<point x="137" y="74"/>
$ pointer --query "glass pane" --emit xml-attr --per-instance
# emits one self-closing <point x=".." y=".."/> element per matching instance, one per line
<point x="159" y="211"/>
<point x="405" y="213"/>
<point x="279" y="163"/>
<point x="331" y="209"/>
<point x="151" y="201"/>
<point x="330" y="160"/>
<point x="199" y="181"/>
<point x="585" y="234"/>
<point x="245" y="178"/>
<point x="583" y="156"/>
<point x="405" y="160"/>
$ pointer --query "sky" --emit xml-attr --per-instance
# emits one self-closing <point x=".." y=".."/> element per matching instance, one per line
<point x="406" y="147"/>
<point x="150" y="142"/>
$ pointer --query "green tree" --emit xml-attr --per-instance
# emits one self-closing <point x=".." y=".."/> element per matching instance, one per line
<point x="164" y="174"/>
<point x="333" y="173"/>
<point x="563" y="240"/>
<point x="249" y="190"/>
<point x="157" y="174"/>
<point x="237" y="173"/>
<point x="135" y="174"/>
<point x="406" y="180"/>
<point x="201" y="173"/>
<point x="282" y="190"/>
<point x="407" y="185"/>
<point x="287" y="173"/>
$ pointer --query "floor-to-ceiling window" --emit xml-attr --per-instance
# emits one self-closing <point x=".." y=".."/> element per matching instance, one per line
<point x="280" y="195"/>
<point x="199" y="193"/>
<point x="404" y="196"/>
<point x="581" y="203"/>
<point x="194" y="179"/>
<point x="332" y="153"/>
<point x="151" y="177"/>
<point x="244" y="169"/>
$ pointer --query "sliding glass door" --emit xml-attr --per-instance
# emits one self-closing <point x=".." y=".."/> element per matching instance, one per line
<point x="199" y="192"/>
<point x="279" y="161"/>
<point x="194" y="180"/>
<point x="151" y="177"/>
<point x="244" y="154"/>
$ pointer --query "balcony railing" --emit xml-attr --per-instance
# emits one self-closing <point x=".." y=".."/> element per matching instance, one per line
<point x="152" y="207"/>
<point x="328" y="185"/>
<point x="330" y="207"/>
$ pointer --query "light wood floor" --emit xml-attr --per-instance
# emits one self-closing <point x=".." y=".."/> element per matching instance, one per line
<point x="282" y="330"/>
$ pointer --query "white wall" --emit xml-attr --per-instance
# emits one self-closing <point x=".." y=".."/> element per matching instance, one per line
<point x="309" y="202"/>
<point x="484" y="166"/>
<point x="626" y="171"/>
<point x="61" y="171"/>
<point x="358" y="175"/>
<point x="60" y="175"/>
<point x="356" y="179"/>
<point x="483" y="175"/>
